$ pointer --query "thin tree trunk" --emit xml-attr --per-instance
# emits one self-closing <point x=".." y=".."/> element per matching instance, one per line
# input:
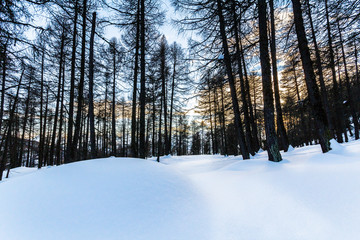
<point x="134" y="151"/>
<point x="245" y="108"/>
<point x="3" y="84"/>
<point x="324" y="94"/>
<point x="58" y="150"/>
<point x="41" y="141"/>
<point x="113" y="106"/>
<point x="210" y="115"/>
<point x="91" y="88"/>
<point x="72" y="89"/>
<point x="284" y="141"/>
<point x="227" y="59"/>
<point x="77" y="135"/>
<point x="26" y="114"/>
<point x="52" y="148"/>
<point x="224" y="124"/>
<point x="172" y="97"/>
<point x="256" y="144"/>
<point x="159" y="134"/>
<point x="339" y="113"/>
<point x="142" y="81"/>
<point x="348" y="88"/>
<point x="8" y="134"/>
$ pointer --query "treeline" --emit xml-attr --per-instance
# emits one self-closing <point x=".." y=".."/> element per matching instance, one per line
<point x="269" y="74"/>
<point x="68" y="93"/>
<point x="275" y="73"/>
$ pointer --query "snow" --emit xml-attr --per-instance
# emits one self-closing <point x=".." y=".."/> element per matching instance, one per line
<point x="309" y="195"/>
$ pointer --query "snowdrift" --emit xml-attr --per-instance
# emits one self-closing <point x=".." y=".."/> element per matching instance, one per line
<point x="309" y="195"/>
<point x="102" y="199"/>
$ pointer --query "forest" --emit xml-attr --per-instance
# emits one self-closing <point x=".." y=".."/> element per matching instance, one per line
<point x="253" y="75"/>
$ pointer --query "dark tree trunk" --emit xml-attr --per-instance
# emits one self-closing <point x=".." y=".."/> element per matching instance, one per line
<point x="3" y="84"/>
<point x="123" y="130"/>
<point x="312" y="88"/>
<point x="223" y="121"/>
<point x="142" y="81"/>
<point x="91" y="88"/>
<point x="41" y="141"/>
<point x="53" y="138"/>
<point x="134" y="149"/>
<point x="324" y="94"/>
<point x="284" y="141"/>
<point x="172" y="99"/>
<point x="242" y="85"/>
<point x="255" y="141"/>
<point x="348" y="88"/>
<point x="159" y="150"/>
<point x="210" y="116"/>
<point x="339" y="113"/>
<point x="44" y="128"/>
<point x="271" y="139"/>
<point x="356" y="66"/>
<point x="72" y="89"/>
<point x="77" y="135"/>
<point x="8" y="132"/>
<point x="58" y="150"/>
<point x="227" y="59"/>
<point x="26" y="114"/>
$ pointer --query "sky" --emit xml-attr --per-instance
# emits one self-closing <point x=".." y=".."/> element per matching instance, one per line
<point x="167" y="29"/>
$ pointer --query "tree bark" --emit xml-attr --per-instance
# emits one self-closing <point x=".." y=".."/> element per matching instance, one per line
<point x="339" y="113"/>
<point x="53" y="138"/>
<point x="8" y="132"/>
<point x="227" y="59"/>
<point x="142" y="82"/>
<point x="72" y="89"/>
<point x="271" y="139"/>
<point x="41" y="141"/>
<point x="348" y="88"/>
<point x="91" y="88"/>
<point x="312" y="88"/>
<point x="242" y="84"/>
<point x="77" y="135"/>
<point x="284" y="141"/>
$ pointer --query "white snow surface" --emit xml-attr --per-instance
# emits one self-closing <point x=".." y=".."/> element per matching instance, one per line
<point x="309" y="195"/>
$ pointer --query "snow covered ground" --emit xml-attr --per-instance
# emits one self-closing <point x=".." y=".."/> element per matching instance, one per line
<point x="309" y="195"/>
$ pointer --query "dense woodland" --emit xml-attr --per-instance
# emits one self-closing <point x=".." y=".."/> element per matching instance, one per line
<point x="265" y="74"/>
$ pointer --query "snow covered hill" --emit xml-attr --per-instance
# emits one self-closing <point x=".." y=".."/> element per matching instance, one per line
<point x="309" y="195"/>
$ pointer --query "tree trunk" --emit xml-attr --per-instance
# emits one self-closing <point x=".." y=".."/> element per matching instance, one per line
<point x="72" y="89"/>
<point x="134" y="148"/>
<point x="3" y="84"/>
<point x="58" y="150"/>
<point x="324" y="94"/>
<point x="284" y="141"/>
<point x="52" y="147"/>
<point x="339" y="113"/>
<point x="312" y="88"/>
<point x="142" y="81"/>
<point x="172" y="98"/>
<point x="41" y="141"/>
<point x="348" y="88"/>
<point x="8" y="132"/>
<point x="26" y="114"/>
<point x="77" y="135"/>
<point x="227" y="59"/>
<point x="271" y="139"/>
<point x="91" y="88"/>
<point x="242" y="84"/>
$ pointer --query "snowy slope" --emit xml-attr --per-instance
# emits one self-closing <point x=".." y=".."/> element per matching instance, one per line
<point x="102" y="199"/>
<point x="309" y="195"/>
